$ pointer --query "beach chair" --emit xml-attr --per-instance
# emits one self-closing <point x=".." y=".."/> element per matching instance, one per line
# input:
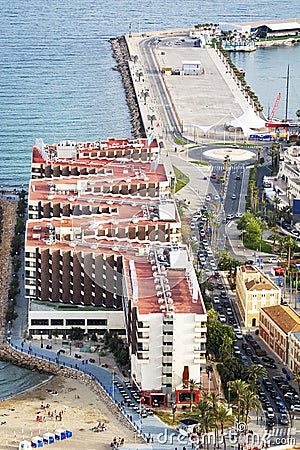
<point x="48" y="438"/>
<point x="25" y="445"/>
<point x="69" y="433"/>
<point x="37" y="442"/>
<point x="60" y="434"/>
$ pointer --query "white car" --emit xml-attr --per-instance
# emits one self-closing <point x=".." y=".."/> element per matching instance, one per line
<point x="222" y="318"/>
<point x="239" y="335"/>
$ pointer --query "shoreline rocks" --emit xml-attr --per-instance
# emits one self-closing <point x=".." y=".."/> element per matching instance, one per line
<point x="121" y="55"/>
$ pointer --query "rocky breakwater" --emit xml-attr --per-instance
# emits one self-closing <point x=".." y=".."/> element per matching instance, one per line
<point x="122" y="56"/>
<point x="8" y="222"/>
<point x="10" y="354"/>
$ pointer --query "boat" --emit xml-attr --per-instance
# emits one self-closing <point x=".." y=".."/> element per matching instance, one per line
<point x="239" y="46"/>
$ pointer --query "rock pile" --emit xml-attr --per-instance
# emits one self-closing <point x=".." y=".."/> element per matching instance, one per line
<point x="121" y="55"/>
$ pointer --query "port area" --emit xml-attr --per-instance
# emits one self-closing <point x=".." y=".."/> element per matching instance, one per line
<point x="201" y="103"/>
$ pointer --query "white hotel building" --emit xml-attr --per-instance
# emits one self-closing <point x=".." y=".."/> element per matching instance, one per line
<point x="103" y="252"/>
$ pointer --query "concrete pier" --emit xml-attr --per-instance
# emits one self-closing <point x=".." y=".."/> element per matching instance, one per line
<point x="198" y="101"/>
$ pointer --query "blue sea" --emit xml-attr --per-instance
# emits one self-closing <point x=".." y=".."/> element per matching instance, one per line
<point x="56" y="77"/>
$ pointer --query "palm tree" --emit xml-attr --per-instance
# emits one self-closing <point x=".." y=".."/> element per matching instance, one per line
<point x="214" y="401"/>
<point x="222" y="417"/>
<point x="192" y="386"/>
<point x="238" y="387"/>
<point x="255" y="371"/>
<point x="226" y="346"/>
<point x="288" y="245"/>
<point x="277" y="202"/>
<point x="249" y="400"/>
<point x="259" y="150"/>
<point x="182" y="208"/>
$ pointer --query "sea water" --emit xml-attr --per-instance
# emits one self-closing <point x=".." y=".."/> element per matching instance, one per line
<point x="57" y="82"/>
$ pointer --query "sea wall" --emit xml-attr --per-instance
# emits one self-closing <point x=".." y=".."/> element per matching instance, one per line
<point x="8" y="208"/>
<point x="10" y="354"/>
<point x="121" y="55"/>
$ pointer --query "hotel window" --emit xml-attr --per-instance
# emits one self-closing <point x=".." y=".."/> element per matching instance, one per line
<point x="75" y="322"/>
<point x="39" y="322"/>
<point x="57" y="321"/>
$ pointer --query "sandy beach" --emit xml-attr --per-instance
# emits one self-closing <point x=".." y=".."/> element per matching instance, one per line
<point x="75" y="407"/>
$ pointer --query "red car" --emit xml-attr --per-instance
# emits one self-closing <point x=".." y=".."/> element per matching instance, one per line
<point x="214" y="176"/>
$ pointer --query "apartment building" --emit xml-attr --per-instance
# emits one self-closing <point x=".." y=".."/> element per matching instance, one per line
<point x="289" y="171"/>
<point x="103" y="252"/>
<point x="294" y="352"/>
<point x="254" y="290"/>
<point x="276" y="324"/>
<point x="166" y="320"/>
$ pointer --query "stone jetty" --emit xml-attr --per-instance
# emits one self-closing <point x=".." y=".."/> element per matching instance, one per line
<point x="121" y="55"/>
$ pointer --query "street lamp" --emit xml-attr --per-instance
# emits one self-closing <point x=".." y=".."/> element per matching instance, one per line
<point x="42" y="344"/>
<point x="9" y="331"/>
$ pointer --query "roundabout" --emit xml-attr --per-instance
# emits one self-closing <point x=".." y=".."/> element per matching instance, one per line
<point x="235" y="154"/>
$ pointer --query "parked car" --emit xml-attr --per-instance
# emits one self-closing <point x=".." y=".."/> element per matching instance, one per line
<point x="270" y="423"/>
<point x="270" y="365"/>
<point x="223" y="294"/>
<point x="270" y="413"/>
<point x="248" y="337"/>
<point x="270" y="360"/>
<point x="283" y="419"/>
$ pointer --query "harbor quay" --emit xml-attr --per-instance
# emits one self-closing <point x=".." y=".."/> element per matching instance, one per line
<point x="202" y="103"/>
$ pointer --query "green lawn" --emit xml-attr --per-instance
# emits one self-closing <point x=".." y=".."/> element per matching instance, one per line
<point x="181" y="179"/>
<point x="202" y="163"/>
<point x="265" y="247"/>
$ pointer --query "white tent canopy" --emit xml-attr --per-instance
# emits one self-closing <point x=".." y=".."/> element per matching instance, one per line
<point x="248" y="121"/>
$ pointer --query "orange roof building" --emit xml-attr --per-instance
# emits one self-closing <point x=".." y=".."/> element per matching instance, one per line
<point x="103" y="237"/>
<point x="276" y="324"/>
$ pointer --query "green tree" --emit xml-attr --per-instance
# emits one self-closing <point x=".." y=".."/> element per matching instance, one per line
<point x="55" y="334"/>
<point x="222" y="417"/>
<point x="249" y="400"/>
<point x="76" y="334"/>
<point x="238" y="387"/>
<point x="288" y="246"/>
<point x="193" y="386"/>
<point x="256" y="371"/>
<point x="216" y="335"/>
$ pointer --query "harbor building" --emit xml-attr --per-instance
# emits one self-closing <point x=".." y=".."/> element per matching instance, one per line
<point x="103" y="251"/>
<point x="254" y="290"/>
<point x="276" y="324"/>
<point x="263" y="29"/>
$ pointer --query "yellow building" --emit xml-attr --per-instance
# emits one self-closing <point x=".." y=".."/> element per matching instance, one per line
<point x="254" y="290"/>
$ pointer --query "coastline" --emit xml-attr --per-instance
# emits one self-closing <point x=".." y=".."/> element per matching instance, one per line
<point x="80" y="407"/>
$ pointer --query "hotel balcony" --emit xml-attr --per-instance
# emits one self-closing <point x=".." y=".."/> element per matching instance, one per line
<point x="167" y="339"/>
<point x="167" y="359"/>
<point x="166" y="379"/>
<point x="142" y="355"/>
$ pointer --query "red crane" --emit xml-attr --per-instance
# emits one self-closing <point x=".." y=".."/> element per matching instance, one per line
<point x="275" y="106"/>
